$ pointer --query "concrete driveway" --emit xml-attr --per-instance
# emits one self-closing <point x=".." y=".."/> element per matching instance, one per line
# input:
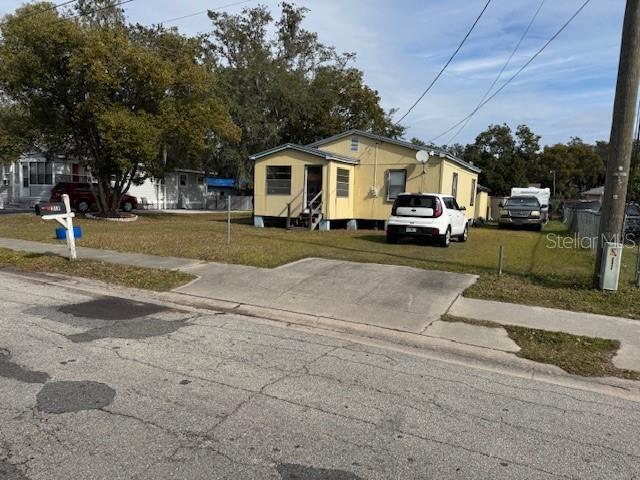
<point x="401" y="298"/>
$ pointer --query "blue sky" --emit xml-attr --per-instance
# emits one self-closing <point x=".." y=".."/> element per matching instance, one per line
<point x="401" y="45"/>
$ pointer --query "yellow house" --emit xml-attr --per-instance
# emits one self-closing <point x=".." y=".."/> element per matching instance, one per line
<point x="353" y="176"/>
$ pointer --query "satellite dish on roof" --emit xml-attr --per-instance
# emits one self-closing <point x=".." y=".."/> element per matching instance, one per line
<point x="422" y="156"/>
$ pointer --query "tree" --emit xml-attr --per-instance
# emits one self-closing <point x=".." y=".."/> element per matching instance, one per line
<point x="501" y="159"/>
<point x="126" y="101"/>
<point x="286" y="86"/>
<point x="577" y="167"/>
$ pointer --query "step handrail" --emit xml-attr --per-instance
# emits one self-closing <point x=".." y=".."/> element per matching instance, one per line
<point x="310" y="203"/>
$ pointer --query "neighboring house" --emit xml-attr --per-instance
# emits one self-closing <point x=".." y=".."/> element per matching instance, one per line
<point x="185" y="189"/>
<point x="29" y="179"/>
<point x="594" y="194"/>
<point x="354" y="176"/>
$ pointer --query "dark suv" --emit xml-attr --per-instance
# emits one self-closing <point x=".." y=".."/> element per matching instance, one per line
<point x="632" y="220"/>
<point x="82" y="199"/>
<point x="522" y="211"/>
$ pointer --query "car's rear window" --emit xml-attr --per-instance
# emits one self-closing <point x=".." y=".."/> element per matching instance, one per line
<point x="416" y="201"/>
<point x="523" y="202"/>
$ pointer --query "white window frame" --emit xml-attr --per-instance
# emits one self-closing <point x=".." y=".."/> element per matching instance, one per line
<point x="454" y="185"/>
<point x="186" y="180"/>
<point x="391" y="198"/>
<point x="342" y="186"/>
<point x="474" y="186"/>
<point x="43" y="173"/>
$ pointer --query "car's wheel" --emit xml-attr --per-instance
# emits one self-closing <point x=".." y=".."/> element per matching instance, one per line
<point x="83" y="206"/>
<point x="127" y="206"/>
<point x="445" y="240"/>
<point x="392" y="238"/>
<point x="465" y="235"/>
<point x="539" y="227"/>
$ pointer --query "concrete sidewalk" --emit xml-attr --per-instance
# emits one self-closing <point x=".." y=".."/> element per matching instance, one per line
<point x="397" y="298"/>
<point x="626" y="331"/>
<point x="136" y="259"/>
<point x="388" y="296"/>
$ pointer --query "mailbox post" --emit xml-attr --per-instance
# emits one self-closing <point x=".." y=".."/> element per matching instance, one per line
<point x="61" y="213"/>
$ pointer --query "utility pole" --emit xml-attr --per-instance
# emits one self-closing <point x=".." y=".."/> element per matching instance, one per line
<point x="621" y="140"/>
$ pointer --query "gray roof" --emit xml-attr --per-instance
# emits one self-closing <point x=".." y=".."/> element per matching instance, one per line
<point x="401" y="143"/>
<point x="306" y="149"/>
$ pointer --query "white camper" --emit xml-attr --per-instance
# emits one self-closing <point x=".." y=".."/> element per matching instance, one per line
<point x="542" y="194"/>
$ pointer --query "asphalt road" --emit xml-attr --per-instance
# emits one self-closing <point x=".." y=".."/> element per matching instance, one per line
<point x="105" y="388"/>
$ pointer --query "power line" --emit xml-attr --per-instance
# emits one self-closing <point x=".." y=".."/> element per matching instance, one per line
<point x="446" y="64"/>
<point x="507" y="82"/>
<point x="44" y="10"/>
<point x="96" y="10"/>
<point x="204" y="11"/>
<point x="504" y="67"/>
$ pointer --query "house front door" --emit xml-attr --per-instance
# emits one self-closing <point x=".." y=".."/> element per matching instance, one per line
<point x="313" y="185"/>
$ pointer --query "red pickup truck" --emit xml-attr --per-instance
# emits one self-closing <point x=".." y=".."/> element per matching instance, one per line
<point x="82" y="199"/>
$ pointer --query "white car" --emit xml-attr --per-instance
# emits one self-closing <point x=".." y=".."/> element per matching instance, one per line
<point x="427" y="215"/>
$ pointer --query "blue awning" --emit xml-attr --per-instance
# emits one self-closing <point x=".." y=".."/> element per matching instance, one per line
<point x="221" y="182"/>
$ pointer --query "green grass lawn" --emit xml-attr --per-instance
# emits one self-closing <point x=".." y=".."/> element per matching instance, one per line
<point x="576" y="354"/>
<point x="128" y="276"/>
<point x="534" y="273"/>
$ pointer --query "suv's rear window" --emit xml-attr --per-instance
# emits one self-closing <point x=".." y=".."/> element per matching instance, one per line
<point x="419" y="201"/>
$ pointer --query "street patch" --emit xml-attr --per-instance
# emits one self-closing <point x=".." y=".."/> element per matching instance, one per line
<point x="112" y="308"/>
<point x="9" y="471"/>
<point x="9" y="369"/>
<point x="133" y="329"/>
<point x="68" y="397"/>
<point x="292" y="471"/>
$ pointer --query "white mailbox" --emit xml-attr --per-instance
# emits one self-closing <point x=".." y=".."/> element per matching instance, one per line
<point x="610" y="268"/>
<point x="61" y="213"/>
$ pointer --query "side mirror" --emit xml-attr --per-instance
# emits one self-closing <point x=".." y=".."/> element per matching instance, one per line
<point x="501" y="205"/>
<point x="462" y="208"/>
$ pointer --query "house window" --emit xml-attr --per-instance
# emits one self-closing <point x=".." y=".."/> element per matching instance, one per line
<point x="473" y="192"/>
<point x="279" y="180"/>
<point x="200" y="179"/>
<point x="396" y="181"/>
<point x="342" y="188"/>
<point x="25" y="176"/>
<point x="355" y="143"/>
<point x="454" y="186"/>
<point x="183" y="179"/>
<point x="40" y="173"/>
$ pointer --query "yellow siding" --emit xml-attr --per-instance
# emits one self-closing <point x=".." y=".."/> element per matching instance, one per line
<point x="339" y="208"/>
<point x="333" y="207"/>
<point x="465" y="182"/>
<point x="376" y="159"/>
<point x="365" y="179"/>
<point x="482" y="205"/>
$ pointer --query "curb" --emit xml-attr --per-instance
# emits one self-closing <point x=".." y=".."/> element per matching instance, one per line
<point x="433" y="348"/>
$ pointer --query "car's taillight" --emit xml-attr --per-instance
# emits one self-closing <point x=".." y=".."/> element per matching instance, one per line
<point x="438" y="211"/>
